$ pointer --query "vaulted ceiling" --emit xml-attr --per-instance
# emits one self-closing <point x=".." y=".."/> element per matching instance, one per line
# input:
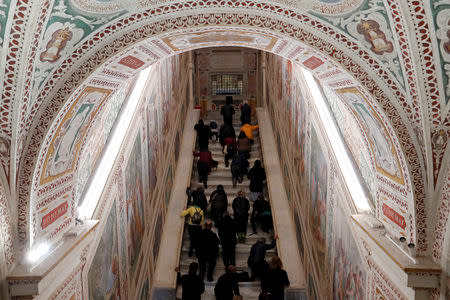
<point x="397" y="51"/>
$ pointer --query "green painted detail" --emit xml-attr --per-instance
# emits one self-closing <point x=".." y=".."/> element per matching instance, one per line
<point x="369" y="7"/>
<point x="64" y="12"/>
<point x="438" y="6"/>
<point x="4" y="8"/>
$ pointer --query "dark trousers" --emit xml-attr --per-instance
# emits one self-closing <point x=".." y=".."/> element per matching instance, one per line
<point x="228" y="157"/>
<point x="253" y="219"/>
<point x="211" y="261"/>
<point x="229" y="254"/>
<point x="203" y="169"/>
<point x="241" y="223"/>
<point x="258" y="269"/>
<point x="194" y="234"/>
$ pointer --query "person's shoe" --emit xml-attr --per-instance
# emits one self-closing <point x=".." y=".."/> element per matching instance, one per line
<point x="210" y="278"/>
<point x="254" y="233"/>
<point x="205" y="185"/>
<point x="240" y="179"/>
<point x="226" y="164"/>
<point x="190" y="253"/>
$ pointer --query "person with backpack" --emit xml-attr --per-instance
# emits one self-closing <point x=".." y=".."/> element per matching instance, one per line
<point x="229" y="150"/>
<point x="196" y="220"/>
<point x="204" y="165"/>
<point x="257" y="259"/>
<point x="244" y="145"/>
<point x="214" y="130"/>
<point x="239" y="168"/>
<point x="275" y="280"/>
<point x="192" y="286"/>
<point x="226" y="131"/>
<point x="261" y="213"/>
<point x="227" y="235"/>
<point x="227" y="285"/>
<point x="241" y="206"/>
<point x="203" y="134"/>
<point x="208" y="249"/>
<point x="227" y="111"/>
<point x="246" y="113"/>
<point x="218" y="204"/>
<point x="248" y="130"/>
<point x="257" y="175"/>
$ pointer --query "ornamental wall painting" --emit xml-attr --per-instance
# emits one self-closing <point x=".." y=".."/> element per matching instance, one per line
<point x="383" y="150"/>
<point x="145" y="291"/>
<point x="212" y="38"/>
<point x="103" y="276"/>
<point x="66" y="142"/>
<point x="153" y="140"/>
<point x="123" y="248"/>
<point x="318" y="201"/>
<point x="157" y="235"/>
<point x="134" y="203"/>
<point x="349" y="272"/>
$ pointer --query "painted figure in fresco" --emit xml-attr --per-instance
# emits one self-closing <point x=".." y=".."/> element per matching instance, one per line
<point x="135" y="220"/>
<point x="381" y="144"/>
<point x="372" y="33"/>
<point x="56" y="45"/>
<point x="103" y="274"/>
<point x="69" y="136"/>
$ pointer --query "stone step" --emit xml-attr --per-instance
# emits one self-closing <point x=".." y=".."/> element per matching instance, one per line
<point x="249" y="240"/>
<point x="249" y="290"/>
<point x="240" y="260"/>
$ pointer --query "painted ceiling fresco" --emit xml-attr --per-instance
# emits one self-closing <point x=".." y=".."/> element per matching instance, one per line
<point x="72" y="46"/>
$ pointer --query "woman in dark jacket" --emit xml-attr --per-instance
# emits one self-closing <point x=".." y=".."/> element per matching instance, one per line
<point x="275" y="279"/>
<point x="193" y="287"/>
<point x="219" y="204"/>
<point x="257" y="175"/>
<point x="241" y="206"/>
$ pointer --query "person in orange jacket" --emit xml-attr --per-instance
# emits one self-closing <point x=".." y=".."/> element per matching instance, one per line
<point x="248" y="130"/>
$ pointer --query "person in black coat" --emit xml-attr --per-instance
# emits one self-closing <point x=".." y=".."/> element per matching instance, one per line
<point x="208" y="249"/>
<point x="203" y="134"/>
<point x="246" y="112"/>
<point x="227" y="111"/>
<point x="261" y="213"/>
<point x="226" y="131"/>
<point x="257" y="175"/>
<point x="192" y="286"/>
<point x="275" y="279"/>
<point x="219" y="204"/>
<point x="227" y="234"/>
<point x="227" y="285"/>
<point x="239" y="168"/>
<point x="256" y="261"/>
<point x="241" y="206"/>
<point x="199" y="198"/>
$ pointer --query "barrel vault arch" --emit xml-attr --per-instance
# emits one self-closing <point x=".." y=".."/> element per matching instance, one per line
<point x="282" y="31"/>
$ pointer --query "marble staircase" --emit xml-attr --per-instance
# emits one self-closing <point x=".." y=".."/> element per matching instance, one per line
<point x="222" y="175"/>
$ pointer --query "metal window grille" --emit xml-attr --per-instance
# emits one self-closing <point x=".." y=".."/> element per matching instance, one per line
<point x="227" y="84"/>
